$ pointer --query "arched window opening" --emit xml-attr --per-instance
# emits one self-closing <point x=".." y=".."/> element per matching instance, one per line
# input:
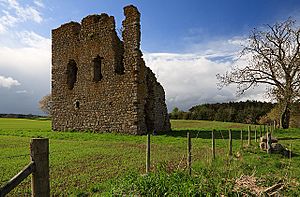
<point x="71" y="74"/>
<point x="97" y="68"/>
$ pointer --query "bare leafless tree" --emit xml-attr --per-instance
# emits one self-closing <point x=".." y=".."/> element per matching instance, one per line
<point x="275" y="61"/>
<point x="45" y="104"/>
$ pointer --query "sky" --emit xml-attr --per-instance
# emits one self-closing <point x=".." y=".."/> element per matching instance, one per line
<point x="185" y="43"/>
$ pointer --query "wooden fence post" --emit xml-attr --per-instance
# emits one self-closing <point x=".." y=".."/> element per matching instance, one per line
<point x="39" y="153"/>
<point x="260" y="131"/>
<point x="189" y="153"/>
<point x="290" y="153"/>
<point x="148" y="154"/>
<point x="269" y="138"/>
<point x="274" y="125"/>
<point x="213" y="144"/>
<point x="255" y="133"/>
<point x="242" y="140"/>
<point x="230" y="142"/>
<point x="249" y="135"/>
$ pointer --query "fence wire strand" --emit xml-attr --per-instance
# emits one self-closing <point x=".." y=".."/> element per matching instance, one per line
<point x="14" y="156"/>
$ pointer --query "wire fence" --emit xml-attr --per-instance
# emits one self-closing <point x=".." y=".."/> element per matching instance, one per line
<point x="108" y="160"/>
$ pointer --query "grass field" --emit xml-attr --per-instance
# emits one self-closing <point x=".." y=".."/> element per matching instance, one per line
<point x="89" y="164"/>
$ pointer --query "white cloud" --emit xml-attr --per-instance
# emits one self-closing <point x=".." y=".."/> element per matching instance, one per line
<point x="221" y="48"/>
<point x="190" y="79"/>
<point x="24" y="12"/>
<point x="7" y="21"/>
<point x="31" y="39"/>
<point x="8" y="82"/>
<point x="14" y="13"/>
<point x="21" y="91"/>
<point x="39" y="3"/>
<point x="28" y="59"/>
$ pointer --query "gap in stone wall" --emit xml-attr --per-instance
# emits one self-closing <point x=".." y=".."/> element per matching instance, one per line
<point x="71" y="74"/>
<point x="97" y="63"/>
<point x="119" y="68"/>
<point x="77" y="104"/>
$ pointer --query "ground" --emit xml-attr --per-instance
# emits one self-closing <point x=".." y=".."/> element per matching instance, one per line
<point x="90" y="164"/>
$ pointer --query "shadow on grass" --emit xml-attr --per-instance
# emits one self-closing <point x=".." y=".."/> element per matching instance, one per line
<point x="219" y="134"/>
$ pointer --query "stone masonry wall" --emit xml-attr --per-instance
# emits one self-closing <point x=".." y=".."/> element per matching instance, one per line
<point x="101" y="83"/>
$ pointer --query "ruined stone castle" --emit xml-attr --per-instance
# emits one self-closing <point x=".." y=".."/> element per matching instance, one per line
<point x="101" y="83"/>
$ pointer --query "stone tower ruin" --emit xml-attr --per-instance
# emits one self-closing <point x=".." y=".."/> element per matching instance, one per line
<point x="101" y="83"/>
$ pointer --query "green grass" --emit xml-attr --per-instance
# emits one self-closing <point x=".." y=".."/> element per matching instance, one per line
<point x="17" y="124"/>
<point x="108" y="164"/>
<point x="205" y="125"/>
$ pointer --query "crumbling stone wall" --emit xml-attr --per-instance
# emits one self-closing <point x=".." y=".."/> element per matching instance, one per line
<point x="101" y="83"/>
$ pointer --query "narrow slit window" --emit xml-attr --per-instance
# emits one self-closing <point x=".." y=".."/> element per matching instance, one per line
<point x="77" y="105"/>
<point x="119" y="68"/>
<point x="71" y="74"/>
<point x="97" y="63"/>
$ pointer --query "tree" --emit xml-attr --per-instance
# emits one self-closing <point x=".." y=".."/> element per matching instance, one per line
<point x="272" y="116"/>
<point x="274" y="61"/>
<point x="45" y="104"/>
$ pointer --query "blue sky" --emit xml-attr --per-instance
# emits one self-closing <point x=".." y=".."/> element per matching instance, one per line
<point x="185" y="43"/>
<point x="170" y="26"/>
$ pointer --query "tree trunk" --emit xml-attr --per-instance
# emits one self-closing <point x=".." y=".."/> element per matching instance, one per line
<point x="285" y="117"/>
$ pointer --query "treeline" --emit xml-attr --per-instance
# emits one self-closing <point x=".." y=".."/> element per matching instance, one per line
<point x="243" y="112"/>
<point x="29" y="116"/>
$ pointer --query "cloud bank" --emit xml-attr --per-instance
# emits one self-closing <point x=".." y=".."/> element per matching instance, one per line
<point x="190" y="78"/>
<point x="29" y="67"/>
<point x="25" y="58"/>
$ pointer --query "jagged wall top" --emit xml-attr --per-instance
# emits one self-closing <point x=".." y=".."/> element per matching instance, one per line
<point x="73" y="29"/>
